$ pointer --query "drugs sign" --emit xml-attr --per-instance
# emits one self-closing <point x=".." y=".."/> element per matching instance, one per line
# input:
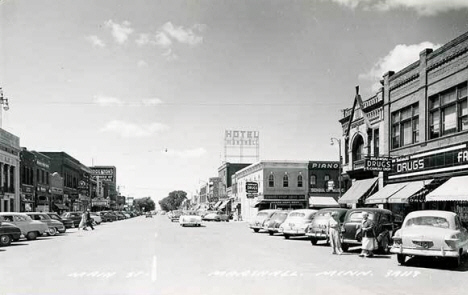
<point x="251" y="187"/>
<point x="378" y="164"/>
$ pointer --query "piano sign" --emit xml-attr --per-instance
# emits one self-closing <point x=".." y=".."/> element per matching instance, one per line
<point x="378" y="164"/>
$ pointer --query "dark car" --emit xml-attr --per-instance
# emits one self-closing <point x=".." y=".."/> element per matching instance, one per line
<point x="318" y="229"/>
<point x="8" y="233"/>
<point x="120" y="215"/>
<point x="108" y="216"/>
<point x="384" y="227"/>
<point x="273" y="223"/>
<point x="74" y="216"/>
<point x="67" y="222"/>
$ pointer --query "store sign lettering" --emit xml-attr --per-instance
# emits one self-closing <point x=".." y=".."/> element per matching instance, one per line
<point x="410" y="166"/>
<point x="462" y="156"/>
<point x="330" y="165"/>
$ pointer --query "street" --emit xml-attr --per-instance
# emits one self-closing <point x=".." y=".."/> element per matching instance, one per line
<point x="154" y="256"/>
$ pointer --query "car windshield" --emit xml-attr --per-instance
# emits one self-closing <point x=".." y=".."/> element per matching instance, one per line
<point x="54" y="216"/>
<point x="260" y="214"/>
<point x="323" y="214"/>
<point x="434" y="221"/>
<point x="296" y="214"/>
<point x="357" y="216"/>
<point x="280" y="216"/>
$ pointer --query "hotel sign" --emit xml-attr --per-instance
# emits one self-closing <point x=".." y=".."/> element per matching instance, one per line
<point x="446" y="159"/>
<point x="378" y="164"/>
<point x="237" y="137"/>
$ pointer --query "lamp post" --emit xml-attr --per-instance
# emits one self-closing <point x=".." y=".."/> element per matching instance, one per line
<point x="6" y="106"/>
<point x="332" y="140"/>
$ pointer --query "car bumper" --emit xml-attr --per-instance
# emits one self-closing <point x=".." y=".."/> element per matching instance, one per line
<point x="317" y="235"/>
<point x="294" y="232"/>
<point x="355" y="242"/>
<point x="425" y="252"/>
<point x="194" y="223"/>
<point x="256" y="227"/>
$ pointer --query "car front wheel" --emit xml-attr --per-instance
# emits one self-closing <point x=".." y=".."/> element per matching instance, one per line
<point x="5" y="240"/>
<point x="384" y="246"/>
<point x="345" y="247"/>
<point x="313" y="241"/>
<point x="31" y="235"/>
<point x="256" y="230"/>
<point x="52" y="231"/>
<point x="401" y="258"/>
<point x="286" y="237"/>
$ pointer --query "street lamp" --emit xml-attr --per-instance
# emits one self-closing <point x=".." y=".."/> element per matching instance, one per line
<point x="332" y="140"/>
<point x="4" y="102"/>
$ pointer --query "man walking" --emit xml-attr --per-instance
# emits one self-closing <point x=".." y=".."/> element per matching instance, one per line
<point x="89" y="220"/>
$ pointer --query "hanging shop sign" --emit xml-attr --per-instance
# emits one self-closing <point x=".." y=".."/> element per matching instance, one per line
<point x="447" y="159"/>
<point x="378" y="164"/>
<point x="251" y="187"/>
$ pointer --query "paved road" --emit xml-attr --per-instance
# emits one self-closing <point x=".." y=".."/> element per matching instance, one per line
<point x="155" y="256"/>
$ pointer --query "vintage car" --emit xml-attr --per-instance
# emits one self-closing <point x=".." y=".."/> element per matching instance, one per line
<point x="431" y="233"/>
<point x="74" y="216"/>
<point x="318" y="229"/>
<point x="383" y="222"/>
<point x="175" y="215"/>
<point x="149" y="215"/>
<point x="273" y="223"/>
<point x="216" y="216"/>
<point x="55" y="226"/>
<point x="258" y="222"/>
<point x="8" y="233"/>
<point x="31" y="229"/>
<point x="108" y="216"/>
<point x="67" y="222"/>
<point x="190" y="219"/>
<point x="96" y="217"/>
<point x="297" y="223"/>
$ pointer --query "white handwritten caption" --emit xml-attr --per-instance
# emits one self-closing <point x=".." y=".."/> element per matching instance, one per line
<point x="332" y="273"/>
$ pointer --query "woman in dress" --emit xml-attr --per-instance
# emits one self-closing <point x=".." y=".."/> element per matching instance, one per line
<point x="83" y="221"/>
<point x="368" y="236"/>
<point x="334" y="233"/>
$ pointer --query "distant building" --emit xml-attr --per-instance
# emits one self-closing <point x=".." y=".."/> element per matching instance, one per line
<point x="9" y="172"/>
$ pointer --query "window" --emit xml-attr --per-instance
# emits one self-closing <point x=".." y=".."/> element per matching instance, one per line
<point x="38" y="175"/>
<point x="47" y="178"/>
<point x="299" y="181"/>
<point x="448" y="112"/>
<point x="358" y="148"/>
<point x="271" y="181"/>
<point x="285" y="181"/>
<point x="376" y="143"/>
<point x="326" y="178"/>
<point x="346" y="151"/>
<point x="405" y="126"/>
<point x="313" y="180"/>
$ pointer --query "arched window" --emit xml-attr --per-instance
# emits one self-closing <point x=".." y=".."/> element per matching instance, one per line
<point x="271" y="181"/>
<point x="313" y="180"/>
<point x="358" y="148"/>
<point x="299" y="180"/>
<point x="285" y="181"/>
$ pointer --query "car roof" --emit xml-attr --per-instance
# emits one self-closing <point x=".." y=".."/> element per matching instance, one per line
<point x="437" y="213"/>
<point x="13" y="213"/>
<point x="373" y="210"/>
<point x="333" y="209"/>
<point x="37" y="213"/>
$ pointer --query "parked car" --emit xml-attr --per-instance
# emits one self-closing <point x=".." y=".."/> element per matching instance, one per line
<point x="384" y="227"/>
<point x="67" y="222"/>
<point x="431" y="233"/>
<point x="31" y="229"/>
<point x="74" y="216"/>
<point x="108" y="216"/>
<point x="55" y="226"/>
<point x="216" y="216"/>
<point x="175" y="215"/>
<point x="297" y="223"/>
<point x="190" y="218"/>
<point x="126" y="214"/>
<point x="318" y="229"/>
<point x="96" y="217"/>
<point x="119" y="215"/>
<point x="259" y="220"/>
<point x="149" y="215"/>
<point x="273" y="223"/>
<point x="8" y="233"/>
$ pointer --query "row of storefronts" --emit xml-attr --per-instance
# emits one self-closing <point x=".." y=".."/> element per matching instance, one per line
<point x="52" y="181"/>
<point x="406" y="148"/>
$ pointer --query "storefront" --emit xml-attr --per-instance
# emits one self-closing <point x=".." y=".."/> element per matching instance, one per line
<point x="27" y="198"/>
<point x="287" y="202"/>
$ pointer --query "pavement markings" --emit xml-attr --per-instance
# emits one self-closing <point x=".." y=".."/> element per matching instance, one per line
<point x="154" y="269"/>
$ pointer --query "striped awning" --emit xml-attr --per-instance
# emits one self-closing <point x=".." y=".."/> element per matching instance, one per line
<point x="454" y="189"/>
<point x="358" y="190"/>
<point x="386" y="192"/>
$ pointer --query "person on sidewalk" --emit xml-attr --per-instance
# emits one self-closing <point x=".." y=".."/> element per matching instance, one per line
<point x="334" y="233"/>
<point x="89" y="220"/>
<point x="368" y="236"/>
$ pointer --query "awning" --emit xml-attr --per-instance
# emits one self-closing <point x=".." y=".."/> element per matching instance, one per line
<point x="358" y="190"/>
<point x="386" y="192"/>
<point x="223" y="204"/>
<point x="323" y="202"/>
<point x="217" y="204"/>
<point x="61" y="206"/>
<point x="454" y="189"/>
<point x="410" y="189"/>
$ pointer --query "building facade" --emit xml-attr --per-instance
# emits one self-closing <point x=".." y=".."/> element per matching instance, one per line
<point x="422" y="129"/>
<point x="27" y="183"/>
<point x="42" y="182"/>
<point x="9" y="172"/>
<point x="324" y="186"/>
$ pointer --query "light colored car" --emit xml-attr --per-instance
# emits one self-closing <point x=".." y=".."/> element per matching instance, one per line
<point x="31" y="229"/>
<point x="55" y="226"/>
<point x="297" y="223"/>
<point x="96" y="217"/>
<point x="259" y="220"/>
<point x="175" y="215"/>
<point x="216" y="216"/>
<point x="190" y="218"/>
<point x="431" y="233"/>
<point x="318" y="229"/>
<point x="275" y="221"/>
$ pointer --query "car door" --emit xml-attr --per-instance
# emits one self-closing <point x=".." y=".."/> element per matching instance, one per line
<point x="21" y="222"/>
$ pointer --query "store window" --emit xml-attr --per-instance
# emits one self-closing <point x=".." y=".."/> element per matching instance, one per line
<point x="326" y="178"/>
<point x="271" y="181"/>
<point x="285" y="181"/>
<point x="313" y="180"/>
<point x="448" y="112"/>
<point x="299" y="181"/>
<point x="405" y="126"/>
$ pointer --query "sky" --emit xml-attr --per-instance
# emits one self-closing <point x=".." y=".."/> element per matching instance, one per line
<point x="150" y="86"/>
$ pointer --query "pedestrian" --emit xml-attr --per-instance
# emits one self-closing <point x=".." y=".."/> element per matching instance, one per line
<point x="334" y="233"/>
<point x="82" y="225"/>
<point x="368" y="236"/>
<point x="89" y="220"/>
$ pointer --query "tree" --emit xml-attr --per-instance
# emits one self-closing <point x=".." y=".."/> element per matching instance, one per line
<point x="173" y="200"/>
<point x="144" y="204"/>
